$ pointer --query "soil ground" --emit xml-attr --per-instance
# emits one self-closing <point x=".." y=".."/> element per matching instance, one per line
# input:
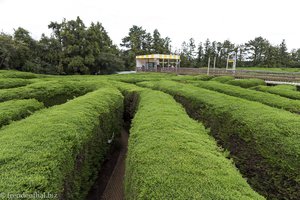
<point x="110" y="181"/>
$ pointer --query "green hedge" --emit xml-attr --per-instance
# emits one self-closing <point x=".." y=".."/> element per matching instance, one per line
<point x="171" y="156"/>
<point x="13" y="82"/>
<point x="48" y="92"/>
<point x="279" y="91"/>
<point x="223" y="79"/>
<point x="17" y="109"/>
<point x="263" y="141"/>
<point x="247" y="83"/>
<point x="194" y="78"/>
<point x="265" y="98"/>
<point x="18" y="74"/>
<point x="139" y="77"/>
<point x="59" y="150"/>
<point x="287" y="87"/>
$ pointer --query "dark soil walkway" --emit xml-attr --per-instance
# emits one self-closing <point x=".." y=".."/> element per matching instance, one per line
<point x="110" y="182"/>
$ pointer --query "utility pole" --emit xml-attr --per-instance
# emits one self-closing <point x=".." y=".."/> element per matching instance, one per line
<point x="208" y="65"/>
<point x="215" y="58"/>
<point x="227" y="62"/>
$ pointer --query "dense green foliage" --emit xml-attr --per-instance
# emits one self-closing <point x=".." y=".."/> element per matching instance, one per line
<point x="265" y="98"/>
<point x="59" y="150"/>
<point x="48" y="92"/>
<point x="263" y="140"/>
<point x="17" y="109"/>
<point x="139" y="42"/>
<point x="247" y="83"/>
<point x="74" y="48"/>
<point x="279" y="91"/>
<point x="171" y="156"/>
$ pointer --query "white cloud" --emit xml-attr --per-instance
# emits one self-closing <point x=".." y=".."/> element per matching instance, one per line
<point x="237" y="20"/>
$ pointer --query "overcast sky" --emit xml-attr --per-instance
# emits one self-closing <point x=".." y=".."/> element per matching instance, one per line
<point x="236" y="20"/>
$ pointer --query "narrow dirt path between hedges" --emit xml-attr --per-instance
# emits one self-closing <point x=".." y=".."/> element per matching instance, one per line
<point x="110" y="182"/>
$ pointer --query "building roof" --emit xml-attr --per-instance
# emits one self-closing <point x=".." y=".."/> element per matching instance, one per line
<point x="159" y="56"/>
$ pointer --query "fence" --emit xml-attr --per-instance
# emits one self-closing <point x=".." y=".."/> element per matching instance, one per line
<point x="266" y="75"/>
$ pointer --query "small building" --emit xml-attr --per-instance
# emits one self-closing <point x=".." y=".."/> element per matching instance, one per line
<point x="157" y="62"/>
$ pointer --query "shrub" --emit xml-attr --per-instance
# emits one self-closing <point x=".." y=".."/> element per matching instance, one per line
<point x="247" y="83"/>
<point x="17" y="109"/>
<point x="187" y="78"/>
<point x="48" y="92"/>
<point x="279" y="91"/>
<point x="263" y="141"/>
<point x="59" y="150"/>
<point x="18" y="74"/>
<point x="223" y="79"/>
<point x="265" y="98"/>
<point x="13" y="82"/>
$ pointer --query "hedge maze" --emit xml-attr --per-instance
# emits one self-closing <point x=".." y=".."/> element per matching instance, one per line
<point x="190" y="137"/>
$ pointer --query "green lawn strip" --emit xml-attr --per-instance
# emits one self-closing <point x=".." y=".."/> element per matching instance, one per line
<point x="171" y="156"/>
<point x="262" y="97"/>
<point x="223" y="79"/>
<point x="58" y="150"/>
<point x="49" y="92"/>
<point x="17" y="109"/>
<point x="246" y="83"/>
<point x="263" y="141"/>
<point x="279" y="91"/>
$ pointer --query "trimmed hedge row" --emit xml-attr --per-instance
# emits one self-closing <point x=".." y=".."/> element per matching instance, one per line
<point x="17" y="109"/>
<point x="279" y="91"/>
<point x="246" y="83"/>
<point x="263" y="141"/>
<point x="13" y="82"/>
<point x="59" y="150"/>
<point x="139" y="77"/>
<point x="194" y="78"/>
<point x="48" y="92"/>
<point x="286" y="87"/>
<point x="171" y="156"/>
<point x="265" y="98"/>
<point x="18" y="74"/>
<point x="223" y="79"/>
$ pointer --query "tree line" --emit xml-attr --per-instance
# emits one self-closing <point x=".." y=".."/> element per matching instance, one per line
<point x="74" y="48"/>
